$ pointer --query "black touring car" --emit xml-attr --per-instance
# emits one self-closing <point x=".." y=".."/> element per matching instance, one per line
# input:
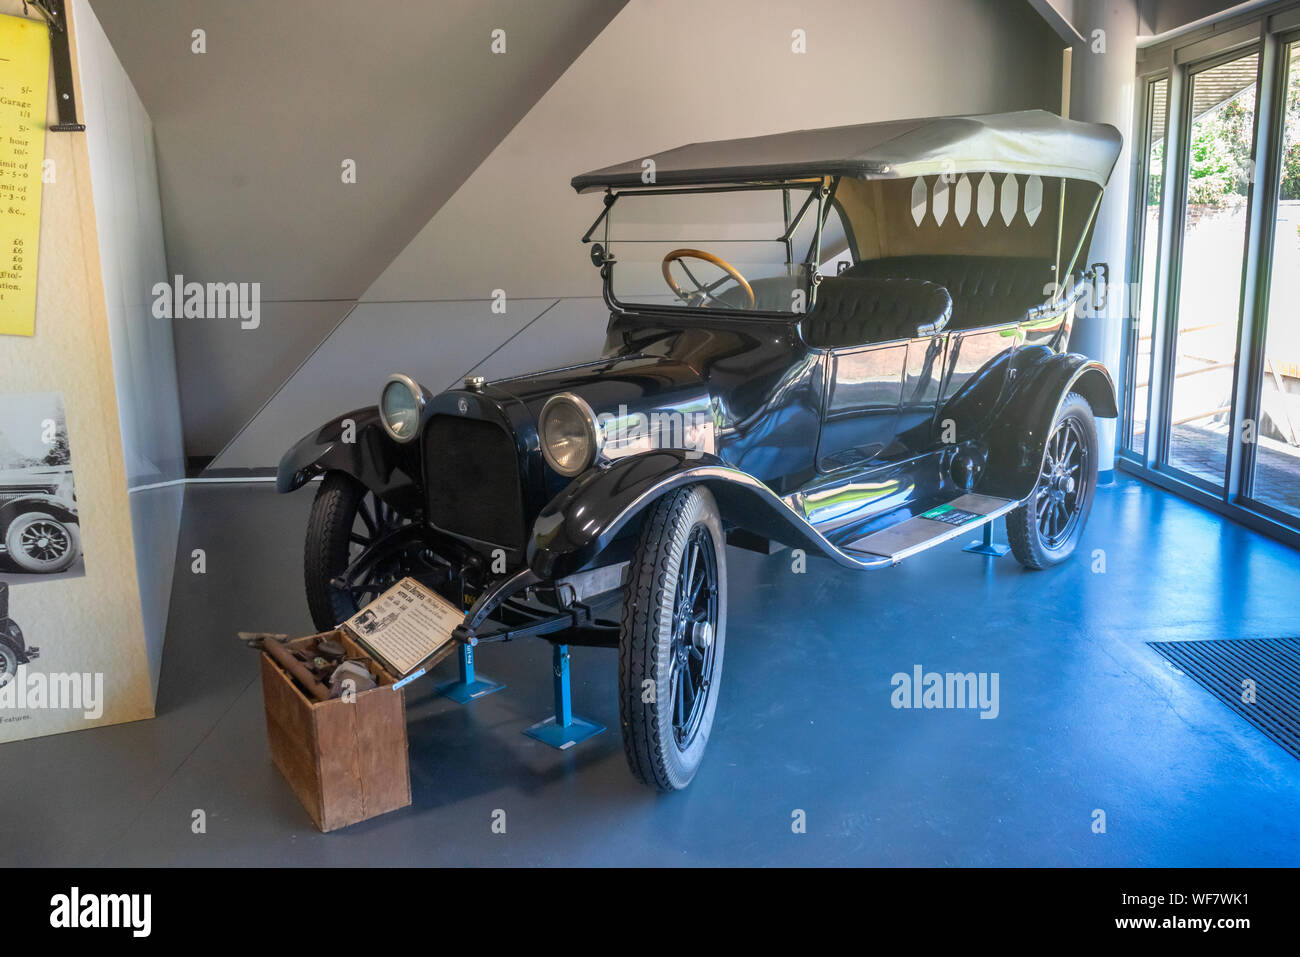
<point x="849" y="341"/>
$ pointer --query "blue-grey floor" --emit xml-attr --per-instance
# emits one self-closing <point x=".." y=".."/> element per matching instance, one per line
<point x="1090" y="719"/>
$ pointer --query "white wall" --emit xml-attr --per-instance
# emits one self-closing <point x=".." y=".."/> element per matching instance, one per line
<point x="124" y="181"/>
<point x="669" y="72"/>
<point x="1102" y="91"/>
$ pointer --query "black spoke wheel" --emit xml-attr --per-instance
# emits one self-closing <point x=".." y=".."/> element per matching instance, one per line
<point x="8" y="664"/>
<point x="38" y="542"/>
<point x="673" y="638"/>
<point x="1045" y="529"/>
<point x="346" y="518"/>
<point x="693" y="651"/>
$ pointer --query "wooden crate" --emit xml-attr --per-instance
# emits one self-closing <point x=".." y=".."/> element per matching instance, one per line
<point x="346" y="761"/>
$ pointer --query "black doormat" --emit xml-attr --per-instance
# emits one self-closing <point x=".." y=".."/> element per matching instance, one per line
<point x="1222" y="667"/>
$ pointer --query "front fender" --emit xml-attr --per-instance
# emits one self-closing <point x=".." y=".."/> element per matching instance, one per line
<point x="386" y="467"/>
<point x="1018" y="436"/>
<point x="581" y="521"/>
<point x="60" y="508"/>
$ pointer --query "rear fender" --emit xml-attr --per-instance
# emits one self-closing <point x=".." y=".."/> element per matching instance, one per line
<point x="573" y="529"/>
<point x="1017" y="437"/>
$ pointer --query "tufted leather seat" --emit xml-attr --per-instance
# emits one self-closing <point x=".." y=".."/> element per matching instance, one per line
<point x="985" y="290"/>
<point x="853" y="311"/>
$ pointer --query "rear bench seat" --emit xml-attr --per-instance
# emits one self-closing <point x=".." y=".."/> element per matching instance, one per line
<point x="985" y="290"/>
<point x="879" y="300"/>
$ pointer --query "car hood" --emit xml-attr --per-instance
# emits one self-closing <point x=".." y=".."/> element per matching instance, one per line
<point x="640" y="402"/>
<point x="635" y="380"/>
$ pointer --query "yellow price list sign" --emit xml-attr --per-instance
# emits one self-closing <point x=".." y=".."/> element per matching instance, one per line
<point x="24" y="84"/>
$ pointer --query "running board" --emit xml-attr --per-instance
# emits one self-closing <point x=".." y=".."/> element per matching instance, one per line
<point x="932" y="527"/>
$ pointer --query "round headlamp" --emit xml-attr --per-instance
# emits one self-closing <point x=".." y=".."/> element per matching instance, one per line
<point x="401" y="407"/>
<point x="570" y="436"/>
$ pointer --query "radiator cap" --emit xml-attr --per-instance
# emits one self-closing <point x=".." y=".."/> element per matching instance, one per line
<point x="475" y="383"/>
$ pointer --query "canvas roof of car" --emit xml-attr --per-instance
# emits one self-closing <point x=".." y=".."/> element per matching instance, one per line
<point x="1027" y="142"/>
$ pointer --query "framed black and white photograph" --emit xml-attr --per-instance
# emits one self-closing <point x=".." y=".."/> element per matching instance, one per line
<point x="40" y="531"/>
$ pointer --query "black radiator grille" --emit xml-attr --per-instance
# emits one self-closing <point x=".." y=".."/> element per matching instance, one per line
<point x="472" y="474"/>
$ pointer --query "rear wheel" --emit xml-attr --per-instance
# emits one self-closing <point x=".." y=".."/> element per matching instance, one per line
<point x="673" y="638"/>
<point x="1046" y="528"/>
<point x="345" y="519"/>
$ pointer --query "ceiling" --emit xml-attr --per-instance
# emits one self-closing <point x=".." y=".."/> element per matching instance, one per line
<point x="252" y="134"/>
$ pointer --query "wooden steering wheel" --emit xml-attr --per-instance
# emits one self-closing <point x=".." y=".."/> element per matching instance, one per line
<point x="701" y="288"/>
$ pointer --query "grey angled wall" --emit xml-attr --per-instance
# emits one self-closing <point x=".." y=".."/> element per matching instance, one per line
<point x="252" y="133"/>
<point x="635" y="79"/>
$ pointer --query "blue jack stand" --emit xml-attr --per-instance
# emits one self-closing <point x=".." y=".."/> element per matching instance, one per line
<point x="468" y="687"/>
<point x="986" y="547"/>
<point x="564" y="730"/>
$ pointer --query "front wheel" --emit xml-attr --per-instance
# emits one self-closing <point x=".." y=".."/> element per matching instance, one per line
<point x="8" y="664"/>
<point x="345" y="519"/>
<point x="43" y="544"/>
<point x="673" y="637"/>
<point x="1045" y="529"/>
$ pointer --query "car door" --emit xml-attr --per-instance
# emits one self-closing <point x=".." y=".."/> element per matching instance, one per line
<point x="978" y="361"/>
<point x="917" y="428"/>
<point x="864" y="393"/>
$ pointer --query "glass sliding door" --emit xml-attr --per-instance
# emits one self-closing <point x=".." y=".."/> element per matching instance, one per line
<point x="1212" y="352"/>
<point x="1217" y="162"/>
<point x="1277" y="446"/>
<point x="1148" y="250"/>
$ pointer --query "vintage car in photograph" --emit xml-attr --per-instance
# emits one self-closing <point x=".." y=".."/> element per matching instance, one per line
<point x="39" y="529"/>
<point x="849" y="341"/>
<point x="13" y="648"/>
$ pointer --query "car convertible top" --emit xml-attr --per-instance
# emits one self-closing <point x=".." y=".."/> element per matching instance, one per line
<point x="1024" y="142"/>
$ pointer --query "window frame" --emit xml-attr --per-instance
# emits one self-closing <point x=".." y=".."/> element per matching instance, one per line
<point x="1268" y="30"/>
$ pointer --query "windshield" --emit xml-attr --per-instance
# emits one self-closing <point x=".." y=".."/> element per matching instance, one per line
<point x="733" y="250"/>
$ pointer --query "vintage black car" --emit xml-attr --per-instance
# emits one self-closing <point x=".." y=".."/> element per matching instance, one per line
<point x="848" y="341"/>
<point x="40" y="531"/>
<point x="13" y="647"/>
